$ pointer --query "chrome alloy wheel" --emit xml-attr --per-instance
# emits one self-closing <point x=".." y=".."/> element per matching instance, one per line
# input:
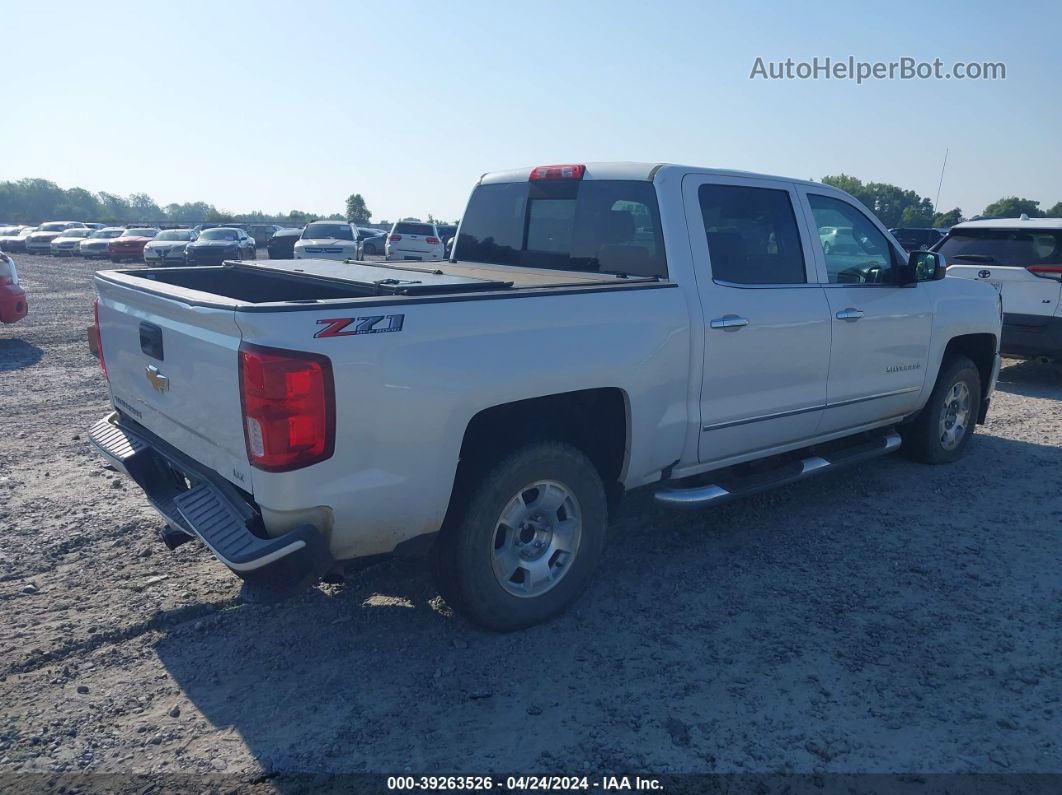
<point x="536" y="538"/>
<point x="955" y="416"/>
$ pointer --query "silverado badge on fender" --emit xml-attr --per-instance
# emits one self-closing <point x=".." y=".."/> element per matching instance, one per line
<point x="336" y="327"/>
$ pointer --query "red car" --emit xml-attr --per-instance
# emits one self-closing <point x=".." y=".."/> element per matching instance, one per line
<point x="131" y="243"/>
<point x="13" y="305"/>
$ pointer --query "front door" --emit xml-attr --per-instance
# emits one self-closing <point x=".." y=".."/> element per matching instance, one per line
<point x="881" y="331"/>
<point x="766" y="322"/>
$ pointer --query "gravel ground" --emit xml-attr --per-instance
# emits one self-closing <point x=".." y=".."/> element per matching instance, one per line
<point x="893" y="617"/>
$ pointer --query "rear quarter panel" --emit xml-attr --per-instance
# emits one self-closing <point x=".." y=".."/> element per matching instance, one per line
<point x="404" y="399"/>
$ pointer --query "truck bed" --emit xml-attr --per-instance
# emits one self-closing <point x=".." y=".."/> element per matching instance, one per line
<point x="313" y="280"/>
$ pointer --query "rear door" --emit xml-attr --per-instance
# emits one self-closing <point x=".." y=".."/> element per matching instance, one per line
<point x="1025" y="265"/>
<point x="173" y="368"/>
<point x="767" y="324"/>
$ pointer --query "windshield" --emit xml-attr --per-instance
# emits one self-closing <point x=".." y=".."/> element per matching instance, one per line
<point x="333" y="231"/>
<point x="1003" y="246"/>
<point x="140" y="232"/>
<point x="607" y="226"/>
<point x="174" y="234"/>
<point x="219" y="234"/>
<point x="107" y="233"/>
<point x="9" y="230"/>
<point x="77" y="233"/>
<point x="53" y="227"/>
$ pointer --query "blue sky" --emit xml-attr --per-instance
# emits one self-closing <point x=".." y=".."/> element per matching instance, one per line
<point x="280" y="106"/>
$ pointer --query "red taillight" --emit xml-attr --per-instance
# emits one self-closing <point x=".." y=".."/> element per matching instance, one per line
<point x="97" y="338"/>
<point x="431" y="240"/>
<point x="570" y="171"/>
<point x="395" y="237"/>
<point x="1046" y="271"/>
<point x="289" y="407"/>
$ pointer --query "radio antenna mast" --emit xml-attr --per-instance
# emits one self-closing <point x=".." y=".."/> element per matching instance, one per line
<point x="936" y="204"/>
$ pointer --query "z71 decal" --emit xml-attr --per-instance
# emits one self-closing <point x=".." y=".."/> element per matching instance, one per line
<point x="349" y="326"/>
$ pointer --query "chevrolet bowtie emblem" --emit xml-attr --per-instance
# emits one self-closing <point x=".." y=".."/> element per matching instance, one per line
<point x="158" y="381"/>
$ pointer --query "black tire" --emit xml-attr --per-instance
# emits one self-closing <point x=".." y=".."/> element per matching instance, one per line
<point x="463" y="562"/>
<point x="369" y="250"/>
<point x="922" y="438"/>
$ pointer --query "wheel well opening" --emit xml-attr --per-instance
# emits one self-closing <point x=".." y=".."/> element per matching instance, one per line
<point x="593" y="420"/>
<point x="979" y="348"/>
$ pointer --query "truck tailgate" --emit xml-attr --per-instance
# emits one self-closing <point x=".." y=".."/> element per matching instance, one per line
<point x="173" y="368"/>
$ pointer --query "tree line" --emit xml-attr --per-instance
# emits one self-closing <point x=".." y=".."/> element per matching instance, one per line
<point x="32" y="201"/>
<point x="895" y="206"/>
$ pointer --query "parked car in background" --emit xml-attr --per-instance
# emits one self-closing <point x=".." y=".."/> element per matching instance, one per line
<point x="167" y="247"/>
<point x="130" y="244"/>
<point x="40" y="242"/>
<point x="10" y="234"/>
<point x="328" y="240"/>
<point x="838" y="239"/>
<point x="214" y="246"/>
<point x="17" y="242"/>
<point x="97" y="244"/>
<point x="261" y="233"/>
<point x="447" y="232"/>
<point x="66" y="245"/>
<point x="13" y="306"/>
<point x="373" y="242"/>
<point x="282" y="243"/>
<point x="96" y="226"/>
<point x="915" y="238"/>
<point x="414" y="241"/>
<point x="1022" y="257"/>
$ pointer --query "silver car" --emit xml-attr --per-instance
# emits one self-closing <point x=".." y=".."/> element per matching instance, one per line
<point x="167" y="247"/>
<point x="66" y="245"/>
<point x="95" y="245"/>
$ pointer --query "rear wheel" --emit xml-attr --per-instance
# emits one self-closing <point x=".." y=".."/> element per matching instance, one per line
<point x="942" y="431"/>
<point x="529" y="539"/>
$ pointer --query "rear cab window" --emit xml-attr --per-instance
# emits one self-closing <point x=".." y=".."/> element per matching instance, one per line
<point x="594" y="226"/>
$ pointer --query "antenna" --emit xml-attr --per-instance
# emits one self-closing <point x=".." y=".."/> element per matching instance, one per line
<point x="936" y="204"/>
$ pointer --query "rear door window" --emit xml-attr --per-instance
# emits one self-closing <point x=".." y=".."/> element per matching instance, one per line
<point x="752" y="235"/>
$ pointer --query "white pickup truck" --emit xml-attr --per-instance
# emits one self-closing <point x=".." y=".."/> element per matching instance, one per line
<point x="599" y="328"/>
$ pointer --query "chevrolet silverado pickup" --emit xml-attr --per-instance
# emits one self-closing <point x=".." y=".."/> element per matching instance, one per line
<point x="597" y="328"/>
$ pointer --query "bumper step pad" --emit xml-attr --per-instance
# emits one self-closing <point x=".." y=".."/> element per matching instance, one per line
<point x="189" y="499"/>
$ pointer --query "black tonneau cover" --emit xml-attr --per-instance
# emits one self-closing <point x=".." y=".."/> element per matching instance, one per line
<point x="412" y="278"/>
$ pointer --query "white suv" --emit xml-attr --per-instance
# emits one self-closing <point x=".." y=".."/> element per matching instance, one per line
<point x="328" y="240"/>
<point x="1022" y="257"/>
<point x="410" y="240"/>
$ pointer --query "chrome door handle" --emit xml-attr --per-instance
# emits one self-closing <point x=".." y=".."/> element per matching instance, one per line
<point x="850" y="314"/>
<point x="729" y="321"/>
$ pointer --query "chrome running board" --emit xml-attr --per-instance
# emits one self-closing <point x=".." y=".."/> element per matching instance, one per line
<point x="727" y="485"/>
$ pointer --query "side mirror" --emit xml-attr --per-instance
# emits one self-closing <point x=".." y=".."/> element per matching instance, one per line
<point x="926" y="266"/>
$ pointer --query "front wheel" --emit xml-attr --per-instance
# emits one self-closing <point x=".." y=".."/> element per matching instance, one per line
<point x="529" y="539"/>
<point x="942" y="431"/>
